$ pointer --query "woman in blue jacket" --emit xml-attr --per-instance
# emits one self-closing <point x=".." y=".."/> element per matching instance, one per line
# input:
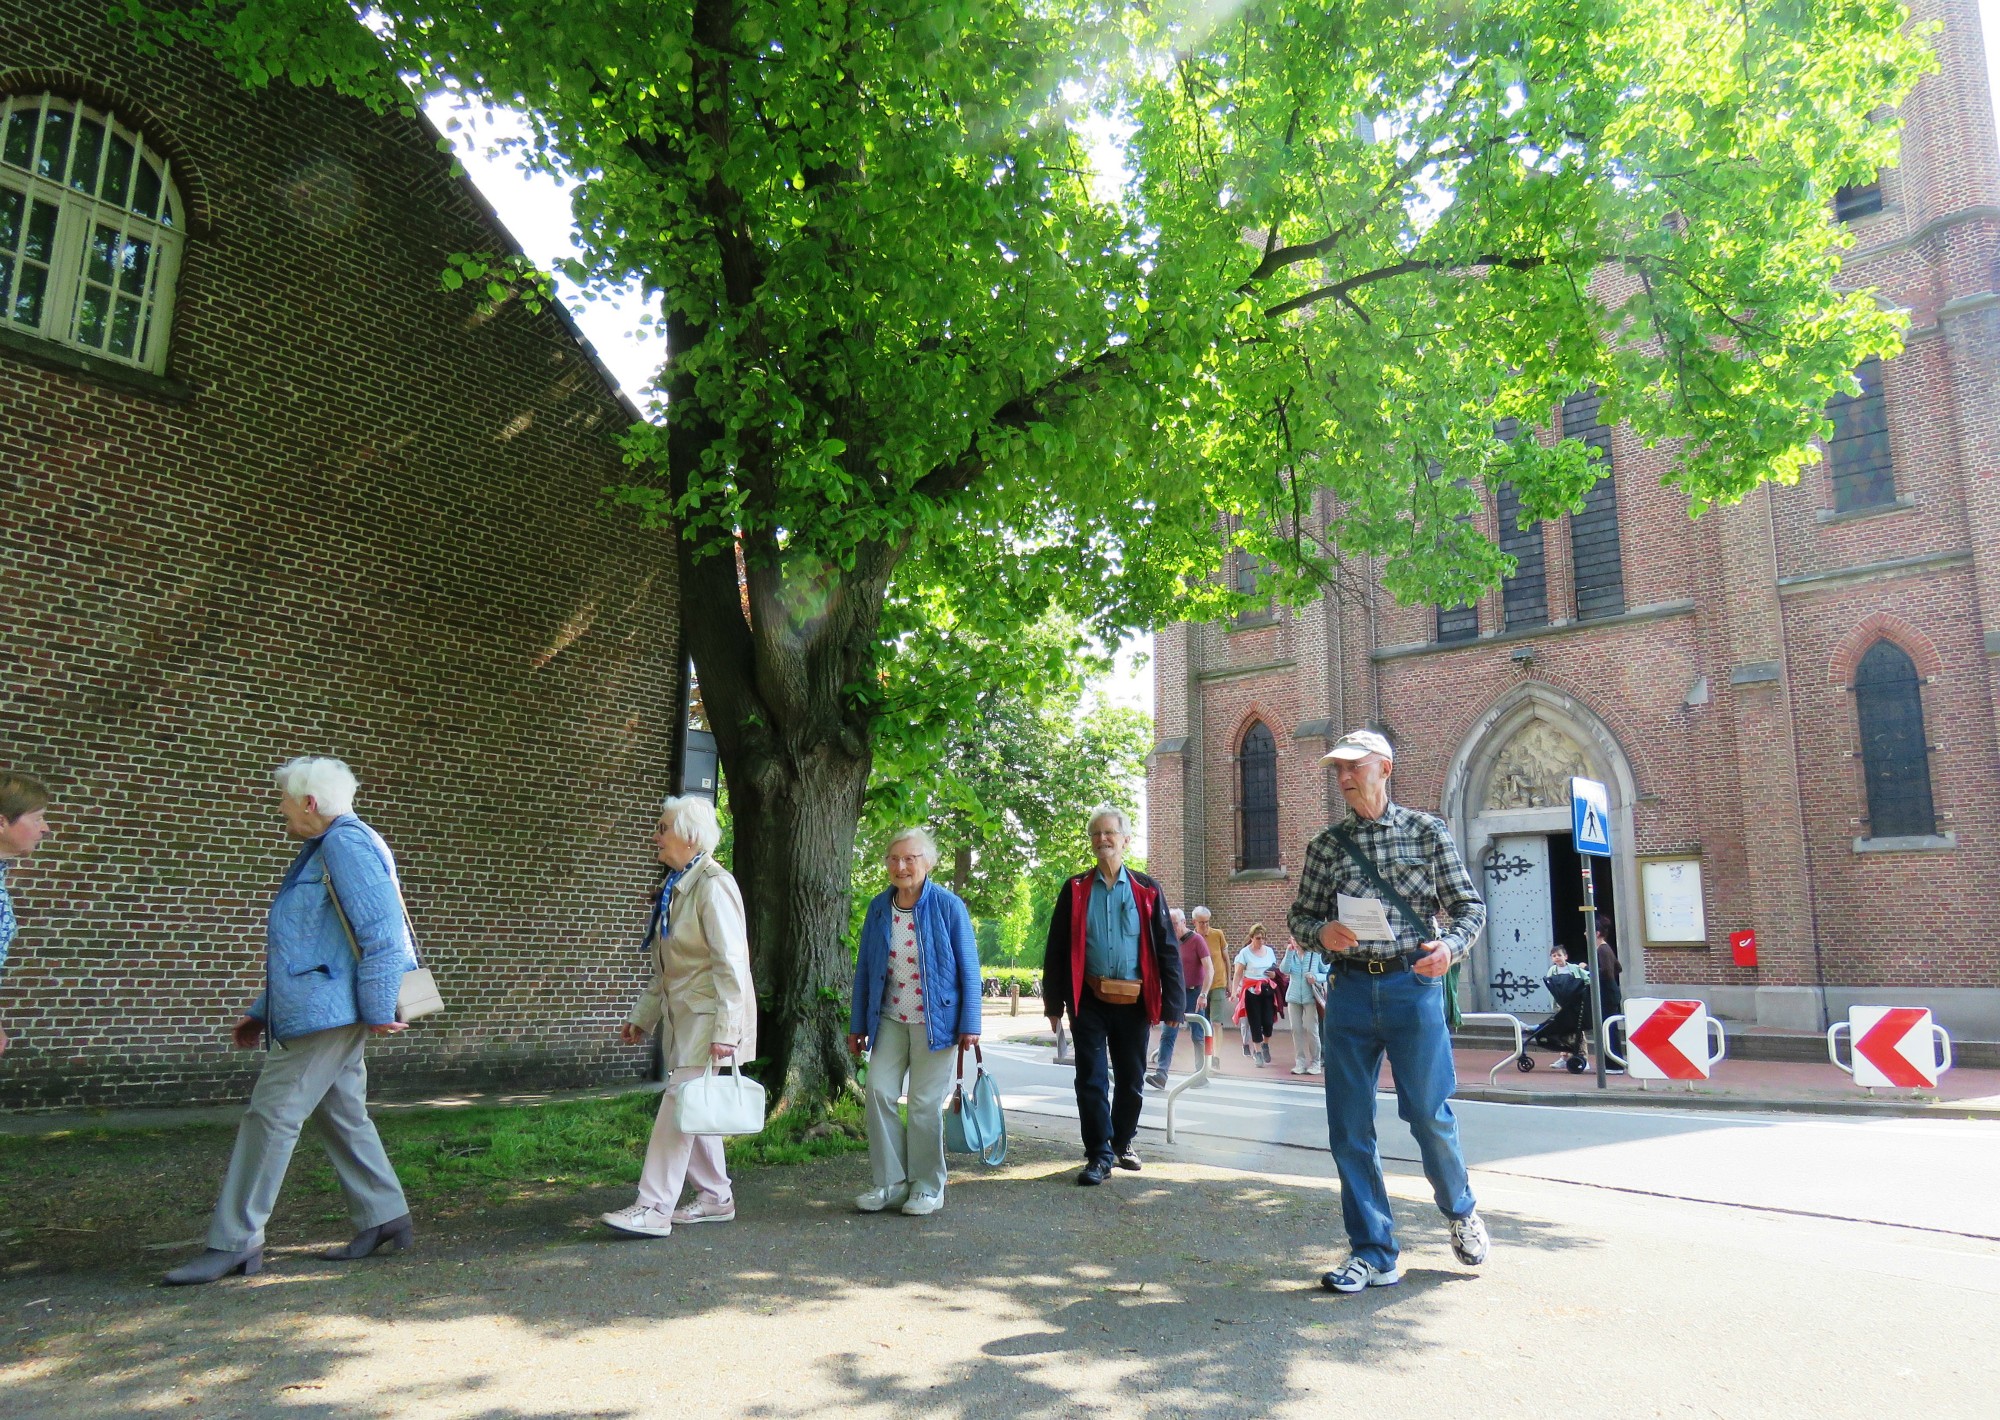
<point x="329" y="984"/>
<point x="916" y="997"/>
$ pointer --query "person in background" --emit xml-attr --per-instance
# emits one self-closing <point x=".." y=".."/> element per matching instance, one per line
<point x="1610" y="990"/>
<point x="701" y="997"/>
<point x="337" y="948"/>
<point x="915" y="1008"/>
<point x="1257" y="981"/>
<point x="23" y="825"/>
<point x="1218" y="961"/>
<point x="1197" y="966"/>
<point x="1303" y="993"/>
<point x="1388" y="998"/>
<point x="1112" y="964"/>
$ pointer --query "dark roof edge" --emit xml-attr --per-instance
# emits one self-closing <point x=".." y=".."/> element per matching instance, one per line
<point x="562" y="312"/>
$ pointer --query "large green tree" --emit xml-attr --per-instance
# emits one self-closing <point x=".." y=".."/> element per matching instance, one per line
<point x="932" y="369"/>
<point x="1007" y="780"/>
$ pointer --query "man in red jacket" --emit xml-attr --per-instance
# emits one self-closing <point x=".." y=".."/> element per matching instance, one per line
<point x="1113" y="964"/>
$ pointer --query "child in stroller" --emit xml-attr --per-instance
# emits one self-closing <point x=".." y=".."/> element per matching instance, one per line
<point x="1567" y="1031"/>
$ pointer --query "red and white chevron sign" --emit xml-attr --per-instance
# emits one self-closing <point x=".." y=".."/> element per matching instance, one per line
<point x="1894" y="1047"/>
<point x="1667" y="1040"/>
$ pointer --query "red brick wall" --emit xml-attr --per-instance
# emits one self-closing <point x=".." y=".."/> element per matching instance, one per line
<point x="371" y="531"/>
<point x="1739" y="588"/>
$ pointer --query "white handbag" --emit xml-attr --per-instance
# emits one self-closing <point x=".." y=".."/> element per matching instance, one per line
<point x="719" y="1104"/>
<point x="418" y="995"/>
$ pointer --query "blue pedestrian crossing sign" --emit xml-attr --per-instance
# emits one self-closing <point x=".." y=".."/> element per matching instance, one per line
<point x="1590" y="817"/>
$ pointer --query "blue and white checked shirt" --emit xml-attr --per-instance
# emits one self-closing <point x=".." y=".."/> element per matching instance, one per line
<point x="1414" y="852"/>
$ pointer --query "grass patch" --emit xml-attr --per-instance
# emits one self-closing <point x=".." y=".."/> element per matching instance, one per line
<point x="514" y="1151"/>
<point x="92" y="1195"/>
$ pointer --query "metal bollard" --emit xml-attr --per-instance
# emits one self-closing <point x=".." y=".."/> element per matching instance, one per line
<point x="1200" y="1077"/>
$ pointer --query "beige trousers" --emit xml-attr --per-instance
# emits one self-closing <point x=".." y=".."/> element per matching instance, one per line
<point x="1303" y="1017"/>
<point x="913" y="1153"/>
<point x="674" y="1159"/>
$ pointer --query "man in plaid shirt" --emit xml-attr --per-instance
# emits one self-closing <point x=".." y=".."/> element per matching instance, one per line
<point x="1387" y="997"/>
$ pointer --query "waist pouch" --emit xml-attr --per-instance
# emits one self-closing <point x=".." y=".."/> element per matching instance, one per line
<point x="1112" y="991"/>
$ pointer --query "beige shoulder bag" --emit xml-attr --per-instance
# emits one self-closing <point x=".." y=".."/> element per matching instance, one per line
<point x="418" y="996"/>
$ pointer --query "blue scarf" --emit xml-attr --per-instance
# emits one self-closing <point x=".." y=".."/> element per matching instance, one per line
<point x="665" y="899"/>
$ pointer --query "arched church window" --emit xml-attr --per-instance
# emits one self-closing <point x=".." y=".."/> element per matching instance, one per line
<point x="1258" y="766"/>
<point x="1888" y="699"/>
<point x="90" y="231"/>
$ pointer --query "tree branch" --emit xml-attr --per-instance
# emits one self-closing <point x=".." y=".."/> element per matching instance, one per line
<point x="1340" y="290"/>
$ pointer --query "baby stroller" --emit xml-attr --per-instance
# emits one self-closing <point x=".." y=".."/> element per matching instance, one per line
<point x="1567" y="1031"/>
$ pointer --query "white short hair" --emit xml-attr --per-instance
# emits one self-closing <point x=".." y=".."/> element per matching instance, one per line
<point x="921" y="836"/>
<point x="1177" y="914"/>
<point x="327" y="781"/>
<point x="692" y="817"/>
<point x="1110" y="811"/>
<point x="1202" y="912"/>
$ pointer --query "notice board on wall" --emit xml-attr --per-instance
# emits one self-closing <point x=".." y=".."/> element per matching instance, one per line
<point x="1671" y="892"/>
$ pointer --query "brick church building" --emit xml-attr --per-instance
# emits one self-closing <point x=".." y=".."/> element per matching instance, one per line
<point x="1795" y="702"/>
<point x="266" y="489"/>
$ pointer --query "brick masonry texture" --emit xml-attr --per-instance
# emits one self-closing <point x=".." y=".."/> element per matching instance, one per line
<point x="372" y="530"/>
<point x="1758" y="778"/>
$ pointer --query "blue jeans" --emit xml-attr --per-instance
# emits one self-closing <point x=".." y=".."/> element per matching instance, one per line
<point x="1400" y="1014"/>
<point x="1170" y="1032"/>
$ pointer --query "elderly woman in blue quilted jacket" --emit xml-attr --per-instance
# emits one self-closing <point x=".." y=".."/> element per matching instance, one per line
<point x="916" y="1004"/>
<point x="337" y="947"/>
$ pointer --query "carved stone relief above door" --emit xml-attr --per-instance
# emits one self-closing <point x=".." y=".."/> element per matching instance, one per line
<point x="1534" y="770"/>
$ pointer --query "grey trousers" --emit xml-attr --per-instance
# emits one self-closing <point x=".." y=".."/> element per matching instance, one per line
<point x="914" y="1155"/>
<point x="321" y="1076"/>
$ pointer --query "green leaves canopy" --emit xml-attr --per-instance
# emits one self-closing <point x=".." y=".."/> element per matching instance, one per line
<point x="917" y="317"/>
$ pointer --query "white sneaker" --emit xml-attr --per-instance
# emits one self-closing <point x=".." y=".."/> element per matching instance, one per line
<point x="1468" y="1239"/>
<point x="1298" y="1069"/>
<point x="1315" y="1068"/>
<point x="641" y="1220"/>
<point x="922" y="1205"/>
<point x="875" y="1200"/>
<point x="707" y="1210"/>
<point x="1356" y="1274"/>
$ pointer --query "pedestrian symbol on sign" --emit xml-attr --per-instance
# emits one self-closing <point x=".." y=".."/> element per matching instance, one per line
<point x="1590" y="817"/>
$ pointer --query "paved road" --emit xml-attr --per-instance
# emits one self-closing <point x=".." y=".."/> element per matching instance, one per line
<point x="1915" y="1174"/>
<point x="1183" y="1291"/>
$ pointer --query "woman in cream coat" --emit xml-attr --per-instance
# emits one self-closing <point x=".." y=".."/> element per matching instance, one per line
<point x="701" y="998"/>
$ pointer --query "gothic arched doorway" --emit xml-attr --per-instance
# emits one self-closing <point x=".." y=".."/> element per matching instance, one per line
<point x="1507" y="798"/>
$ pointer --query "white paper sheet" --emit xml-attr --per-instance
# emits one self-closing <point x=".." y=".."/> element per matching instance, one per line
<point x="1366" y="917"/>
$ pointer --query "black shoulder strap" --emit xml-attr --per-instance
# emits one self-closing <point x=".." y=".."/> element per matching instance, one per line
<point x="1380" y="884"/>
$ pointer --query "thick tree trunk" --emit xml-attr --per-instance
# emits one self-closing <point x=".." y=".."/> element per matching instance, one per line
<point x="780" y="638"/>
<point x="794" y="841"/>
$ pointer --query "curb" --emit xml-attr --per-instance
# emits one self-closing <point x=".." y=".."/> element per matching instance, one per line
<point x="1738" y="1104"/>
<point x="1906" y="1108"/>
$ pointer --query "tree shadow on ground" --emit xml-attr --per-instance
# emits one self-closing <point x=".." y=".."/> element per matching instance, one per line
<point x="1192" y="1290"/>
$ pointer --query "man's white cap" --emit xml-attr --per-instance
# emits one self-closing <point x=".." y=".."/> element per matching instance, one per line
<point x="1358" y="744"/>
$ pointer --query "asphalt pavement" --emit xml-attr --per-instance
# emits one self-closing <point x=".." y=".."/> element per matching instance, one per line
<point x="1905" y="1173"/>
<point x="1645" y="1263"/>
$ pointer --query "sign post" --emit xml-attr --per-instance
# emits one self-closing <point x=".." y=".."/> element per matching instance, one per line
<point x="1590" y="831"/>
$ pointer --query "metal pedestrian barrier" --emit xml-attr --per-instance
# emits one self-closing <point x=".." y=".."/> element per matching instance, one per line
<point x="1204" y="1068"/>
<point x="1520" y="1038"/>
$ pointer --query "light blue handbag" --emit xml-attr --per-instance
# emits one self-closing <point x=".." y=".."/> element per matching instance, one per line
<point x="973" y="1121"/>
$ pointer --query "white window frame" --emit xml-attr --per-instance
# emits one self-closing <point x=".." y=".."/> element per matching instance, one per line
<point x="78" y="214"/>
